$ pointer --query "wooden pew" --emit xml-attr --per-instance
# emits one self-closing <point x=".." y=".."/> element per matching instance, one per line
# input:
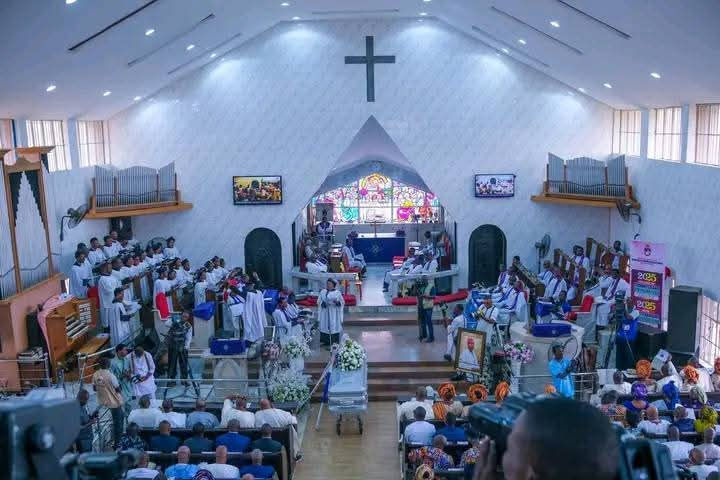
<point x="568" y="266"/>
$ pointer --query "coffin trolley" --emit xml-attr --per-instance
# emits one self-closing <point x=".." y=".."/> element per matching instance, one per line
<point x="348" y="395"/>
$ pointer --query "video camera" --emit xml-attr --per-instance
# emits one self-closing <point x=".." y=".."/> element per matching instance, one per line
<point x="639" y="458"/>
<point x="36" y="434"/>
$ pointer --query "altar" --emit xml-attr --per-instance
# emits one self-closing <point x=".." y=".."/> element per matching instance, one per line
<point x="380" y="247"/>
<point x="536" y="374"/>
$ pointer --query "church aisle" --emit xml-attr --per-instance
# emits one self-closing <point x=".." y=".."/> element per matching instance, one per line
<point x="351" y="456"/>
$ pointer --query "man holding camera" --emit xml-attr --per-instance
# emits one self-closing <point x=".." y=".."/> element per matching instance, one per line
<point x="179" y="337"/>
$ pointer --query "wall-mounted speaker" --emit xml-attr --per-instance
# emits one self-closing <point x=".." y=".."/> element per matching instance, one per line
<point x="684" y="310"/>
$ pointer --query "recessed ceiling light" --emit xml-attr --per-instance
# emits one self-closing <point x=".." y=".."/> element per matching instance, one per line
<point x="149" y="32"/>
<point x="655" y="75"/>
<point x="522" y="41"/>
<point x="189" y="47"/>
<point x="581" y="90"/>
<point x="296" y="18"/>
<point x="423" y="14"/>
<point x="285" y="4"/>
<point x="213" y="55"/>
<point x="607" y="85"/>
<point x="106" y="93"/>
<point x="427" y="1"/>
<point x="420" y="20"/>
<point x="50" y="88"/>
<point x="137" y="99"/>
<point x="555" y="24"/>
<point x="70" y="2"/>
<point x="505" y="50"/>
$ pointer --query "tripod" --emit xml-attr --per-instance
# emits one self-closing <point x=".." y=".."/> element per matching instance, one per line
<point x="182" y="357"/>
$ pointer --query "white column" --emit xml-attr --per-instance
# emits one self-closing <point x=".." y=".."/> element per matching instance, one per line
<point x="687" y="147"/>
<point x="644" y="132"/>
<point x="21" y="136"/>
<point x="72" y="142"/>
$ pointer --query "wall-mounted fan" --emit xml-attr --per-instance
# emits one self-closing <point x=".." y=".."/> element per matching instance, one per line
<point x="74" y="216"/>
<point x="542" y="247"/>
<point x="625" y="209"/>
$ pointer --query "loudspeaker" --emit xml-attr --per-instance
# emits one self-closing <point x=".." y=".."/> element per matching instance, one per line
<point x="684" y="310"/>
<point x="649" y="341"/>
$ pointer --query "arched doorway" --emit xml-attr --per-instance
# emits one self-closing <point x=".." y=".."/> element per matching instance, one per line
<point x="487" y="252"/>
<point x="263" y="255"/>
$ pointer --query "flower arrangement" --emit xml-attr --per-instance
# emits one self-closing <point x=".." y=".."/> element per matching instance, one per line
<point x="296" y="347"/>
<point x="271" y="351"/>
<point x="288" y="386"/>
<point x="351" y="355"/>
<point x="519" y="352"/>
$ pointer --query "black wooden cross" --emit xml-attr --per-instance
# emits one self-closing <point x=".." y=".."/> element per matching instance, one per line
<point x="370" y="60"/>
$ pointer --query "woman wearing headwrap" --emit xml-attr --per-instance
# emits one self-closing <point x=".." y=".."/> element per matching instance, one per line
<point x="707" y="418"/>
<point x="671" y="397"/>
<point x="476" y="393"/>
<point x="447" y="402"/>
<point x="643" y="368"/>
<point x="639" y="401"/>
<point x="501" y="391"/>
<point x="697" y="398"/>
<point x="715" y="376"/>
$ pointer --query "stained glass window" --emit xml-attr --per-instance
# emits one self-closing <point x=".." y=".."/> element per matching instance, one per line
<point x="377" y="198"/>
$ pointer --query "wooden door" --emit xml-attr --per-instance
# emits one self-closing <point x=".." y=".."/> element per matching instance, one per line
<point x="263" y="255"/>
<point x="487" y="253"/>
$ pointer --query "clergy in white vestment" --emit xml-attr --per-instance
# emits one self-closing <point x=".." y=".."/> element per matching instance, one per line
<point x="555" y="286"/>
<point x="468" y="357"/>
<point x="315" y="266"/>
<point x="286" y="326"/>
<point x="171" y="251"/>
<point x="430" y="265"/>
<point x="607" y="300"/>
<point x="119" y="320"/>
<point x="276" y="418"/>
<point x="516" y="305"/>
<point x="503" y="280"/>
<point x="235" y="407"/>
<point x="330" y="310"/>
<point x="79" y="278"/>
<point x="547" y="274"/>
<point x="106" y="293"/>
<point x="143" y="368"/>
<point x="457" y="323"/>
<point x="403" y="268"/>
<point x="354" y="260"/>
<point x="254" y="317"/>
<point x="110" y="249"/>
<point x="220" y="469"/>
<point x="236" y="303"/>
<point x="603" y="283"/>
<point x="487" y="315"/>
<point x="617" y="252"/>
<point x="581" y="261"/>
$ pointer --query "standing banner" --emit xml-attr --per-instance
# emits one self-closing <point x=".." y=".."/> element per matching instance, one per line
<point x="647" y="261"/>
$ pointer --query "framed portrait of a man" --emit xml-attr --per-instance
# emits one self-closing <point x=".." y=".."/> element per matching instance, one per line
<point x="470" y="351"/>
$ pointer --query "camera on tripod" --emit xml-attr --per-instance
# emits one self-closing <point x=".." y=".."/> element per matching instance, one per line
<point x="639" y="458"/>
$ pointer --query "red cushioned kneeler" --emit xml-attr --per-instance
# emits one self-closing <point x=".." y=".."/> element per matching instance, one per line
<point x="401" y="301"/>
<point x="451" y="297"/>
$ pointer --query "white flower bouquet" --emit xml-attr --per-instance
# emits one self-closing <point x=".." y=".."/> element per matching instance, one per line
<point x="288" y="386"/>
<point x="296" y="347"/>
<point x="350" y="356"/>
<point x="519" y="352"/>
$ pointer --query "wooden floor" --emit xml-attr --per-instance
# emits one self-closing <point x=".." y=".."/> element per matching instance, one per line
<point x="351" y="456"/>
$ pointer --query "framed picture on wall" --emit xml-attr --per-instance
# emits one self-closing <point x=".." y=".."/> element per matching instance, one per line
<point x="266" y="190"/>
<point x="495" y="185"/>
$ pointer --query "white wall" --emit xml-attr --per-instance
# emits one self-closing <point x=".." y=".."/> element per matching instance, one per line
<point x="285" y="103"/>
<point x="679" y="204"/>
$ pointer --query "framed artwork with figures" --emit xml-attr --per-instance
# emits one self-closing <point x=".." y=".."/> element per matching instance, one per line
<point x="264" y="190"/>
<point x="469" y="351"/>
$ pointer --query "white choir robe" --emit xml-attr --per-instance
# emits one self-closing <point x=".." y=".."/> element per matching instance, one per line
<point x="236" y="304"/>
<point x="616" y="257"/>
<point x="605" y="302"/>
<point x="515" y="305"/>
<point x="277" y="418"/>
<point x="111" y="251"/>
<point x="171" y="252"/>
<point x="456" y="324"/>
<point x="96" y="256"/>
<point x="546" y="276"/>
<point x="406" y="266"/>
<point x="120" y="329"/>
<point x="285" y="328"/>
<point x="184" y="277"/>
<point x="604" y="282"/>
<point x="331" y="316"/>
<point x="503" y="281"/>
<point x="200" y="289"/>
<point x="431" y="266"/>
<point x="254" y="319"/>
<point x="500" y="298"/>
<point x="582" y="261"/>
<point x="106" y="293"/>
<point x="78" y="276"/>
<point x="145" y="290"/>
<point x="128" y="272"/>
<point x="355" y="261"/>
<point x="141" y="367"/>
<point x="493" y="313"/>
<point x="162" y="285"/>
<point x="554" y="287"/>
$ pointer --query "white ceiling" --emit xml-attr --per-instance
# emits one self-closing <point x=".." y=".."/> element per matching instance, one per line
<point x="677" y="39"/>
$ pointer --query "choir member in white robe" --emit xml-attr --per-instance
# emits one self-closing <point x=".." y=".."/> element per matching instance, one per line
<point x="143" y="369"/>
<point x="119" y="320"/>
<point x="127" y="271"/>
<point x="456" y="324"/>
<point x="200" y="288"/>
<point x="331" y="308"/>
<point x="224" y="272"/>
<point x="161" y="285"/>
<point x="96" y="254"/>
<point x="184" y="274"/>
<point x="277" y="418"/>
<point x="236" y="304"/>
<point x="254" y="317"/>
<point x="110" y="249"/>
<point x="141" y="267"/>
<point x="171" y="251"/>
<point x="79" y="279"/>
<point x="607" y="300"/>
<point x="285" y="325"/>
<point x="106" y="293"/>
<point x="547" y="274"/>
<point x="555" y="286"/>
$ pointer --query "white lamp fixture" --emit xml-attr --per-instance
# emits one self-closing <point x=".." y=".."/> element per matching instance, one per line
<point x="607" y="85"/>
<point x="189" y="47"/>
<point x="555" y="24"/>
<point x="427" y="1"/>
<point x="296" y="18"/>
<point x="70" y="2"/>
<point x="522" y="41"/>
<point x="106" y="93"/>
<point x="285" y="4"/>
<point x="149" y="32"/>
<point x="423" y="14"/>
<point x="50" y="88"/>
<point x="655" y="75"/>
